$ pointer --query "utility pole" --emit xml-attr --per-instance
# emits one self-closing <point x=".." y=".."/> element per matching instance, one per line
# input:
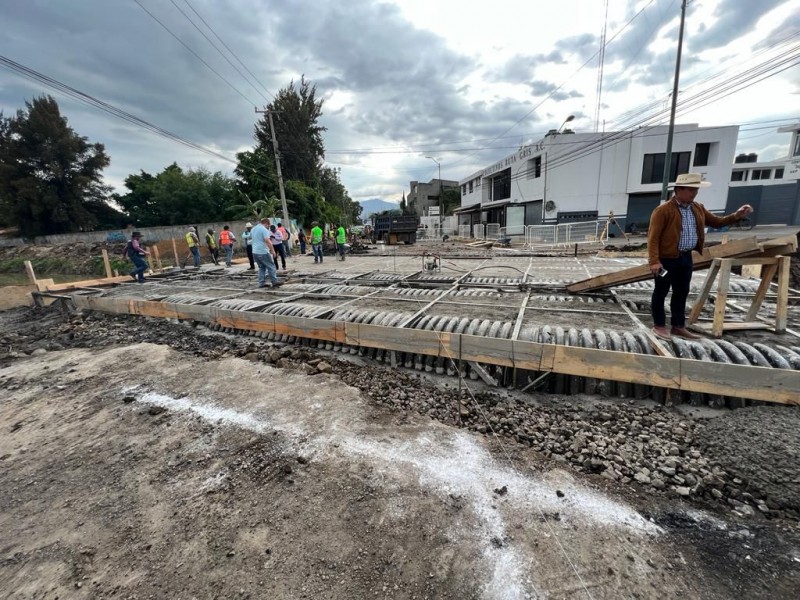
<point x="278" y="165"/>
<point x="671" y="130"/>
<point x="441" y="204"/>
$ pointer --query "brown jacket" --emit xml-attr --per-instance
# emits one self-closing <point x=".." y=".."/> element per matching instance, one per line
<point x="665" y="229"/>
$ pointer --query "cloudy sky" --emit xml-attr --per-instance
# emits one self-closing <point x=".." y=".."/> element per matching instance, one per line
<point x="464" y="82"/>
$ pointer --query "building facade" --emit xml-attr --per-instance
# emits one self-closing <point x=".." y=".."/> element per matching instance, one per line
<point x="772" y="188"/>
<point x="423" y="196"/>
<point x="585" y="176"/>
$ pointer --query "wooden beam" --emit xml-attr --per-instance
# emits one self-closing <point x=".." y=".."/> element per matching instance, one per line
<point x="722" y="296"/>
<point x="757" y="383"/>
<point x="642" y="272"/>
<point x="175" y="252"/>
<point x="704" y="292"/>
<point x="30" y="272"/>
<point x="732" y="326"/>
<point x="107" y="264"/>
<point x="766" y="276"/>
<point x="782" y="304"/>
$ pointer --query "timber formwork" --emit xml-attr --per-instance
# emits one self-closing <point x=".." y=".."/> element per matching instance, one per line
<point x="509" y="321"/>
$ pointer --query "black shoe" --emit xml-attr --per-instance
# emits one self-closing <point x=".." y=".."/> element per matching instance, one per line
<point x="277" y="284"/>
<point x="251" y="269"/>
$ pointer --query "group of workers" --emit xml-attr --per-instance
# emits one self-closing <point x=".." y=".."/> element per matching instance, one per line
<point x="266" y="243"/>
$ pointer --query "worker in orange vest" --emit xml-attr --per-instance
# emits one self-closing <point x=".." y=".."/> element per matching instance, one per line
<point x="226" y="241"/>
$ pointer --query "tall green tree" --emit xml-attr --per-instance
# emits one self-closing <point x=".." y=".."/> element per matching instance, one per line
<point x="50" y="177"/>
<point x="296" y="112"/>
<point x="177" y="197"/>
<point x="336" y="197"/>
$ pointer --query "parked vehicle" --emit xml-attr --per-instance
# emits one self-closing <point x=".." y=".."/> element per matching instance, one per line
<point x="395" y="229"/>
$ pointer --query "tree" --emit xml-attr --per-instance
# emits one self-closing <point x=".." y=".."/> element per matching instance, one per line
<point x="177" y="197"/>
<point x="296" y="112"/>
<point x="254" y="210"/>
<point x="451" y="199"/>
<point x="50" y="177"/>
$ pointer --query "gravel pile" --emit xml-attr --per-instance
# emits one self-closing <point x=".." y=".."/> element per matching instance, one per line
<point x="746" y="459"/>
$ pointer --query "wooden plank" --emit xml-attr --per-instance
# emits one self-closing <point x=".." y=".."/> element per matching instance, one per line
<point x="757" y="383"/>
<point x="107" y="264"/>
<point x="722" y="296"/>
<point x="175" y="252"/>
<point x="782" y="303"/>
<point x="483" y="373"/>
<point x="704" y="292"/>
<point x="520" y="314"/>
<point x="642" y="272"/>
<point x="754" y="260"/>
<point x="766" y="276"/>
<point x="733" y="326"/>
<point x="752" y="271"/>
<point x="157" y="257"/>
<point x="30" y="272"/>
<point x="656" y="343"/>
<point x="43" y="284"/>
<point x="60" y="287"/>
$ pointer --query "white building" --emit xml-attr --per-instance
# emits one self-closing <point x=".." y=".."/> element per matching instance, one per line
<point x="772" y="188"/>
<point x="585" y="176"/>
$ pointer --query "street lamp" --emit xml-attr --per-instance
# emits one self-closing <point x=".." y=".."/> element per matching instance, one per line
<point x="567" y="120"/>
<point x="441" y="204"/>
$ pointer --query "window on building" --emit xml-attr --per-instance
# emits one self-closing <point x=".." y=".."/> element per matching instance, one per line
<point x="701" y="152"/>
<point x="535" y="167"/>
<point x="760" y="174"/>
<point x="470" y="185"/>
<point x="738" y="175"/>
<point x="653" y="166"/>
<point x="796" y="145"/>
<point x="779" y="173"/>
<point x="501" y="185"/>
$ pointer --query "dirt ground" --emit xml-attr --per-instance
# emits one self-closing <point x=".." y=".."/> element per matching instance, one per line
<point x="145" y="459"/>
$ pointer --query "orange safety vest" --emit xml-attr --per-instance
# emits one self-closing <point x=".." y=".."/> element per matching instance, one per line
<point x="225" y="238"/>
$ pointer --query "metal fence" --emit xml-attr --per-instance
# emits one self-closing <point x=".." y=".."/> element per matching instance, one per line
<point x="563" y="234"/>
<point x="463" y="231"/>
<point x="479" y="231"/>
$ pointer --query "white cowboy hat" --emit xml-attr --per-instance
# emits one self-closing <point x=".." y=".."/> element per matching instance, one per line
<point x="693" y="180"/>
<point x="248" y="225"/>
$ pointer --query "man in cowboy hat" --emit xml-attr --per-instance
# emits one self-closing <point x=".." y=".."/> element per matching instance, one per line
<point x="676" y="228"/>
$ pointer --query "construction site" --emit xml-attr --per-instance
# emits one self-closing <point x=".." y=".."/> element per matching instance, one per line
<point x="437" y="420"/>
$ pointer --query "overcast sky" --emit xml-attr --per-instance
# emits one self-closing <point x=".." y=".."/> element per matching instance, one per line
<point x="464" y="82"/>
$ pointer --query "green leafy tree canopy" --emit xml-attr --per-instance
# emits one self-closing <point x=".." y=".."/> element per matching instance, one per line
<point x="50" y="177"/>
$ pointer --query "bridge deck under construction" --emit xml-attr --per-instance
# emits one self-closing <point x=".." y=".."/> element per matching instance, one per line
<point x="504" y="318"/>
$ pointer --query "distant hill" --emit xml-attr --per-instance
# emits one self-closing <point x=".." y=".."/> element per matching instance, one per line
<point x="376" y="205"/>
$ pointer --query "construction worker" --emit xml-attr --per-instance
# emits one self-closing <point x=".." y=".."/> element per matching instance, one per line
<point x="341" y="240"/>
<point x="226" y="240"/>
<point x="211" y="242"/>
<point x="286" y="236"/>
<point x="247" y="240"/>
<point x="316" y="241"/>
<point x="194" y="245"/>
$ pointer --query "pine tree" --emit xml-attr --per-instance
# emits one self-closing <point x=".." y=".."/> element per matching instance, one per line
<point x="50" y="177"/>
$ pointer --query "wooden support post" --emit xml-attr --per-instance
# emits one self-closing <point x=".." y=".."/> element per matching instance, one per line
<point x="725" y="238"/>
<point x="767" y="274"/>
<point x="157" y="257"/>
<point x="29" y="271"/>
<point x="782" y="304"/>
<point x="175" y="251"/>
<point x="701" y="299"/>
<point x="722" y="297"/>
<point x="107" y="263"/>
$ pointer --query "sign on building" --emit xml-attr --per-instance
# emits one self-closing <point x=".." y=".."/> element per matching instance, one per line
<point x="792" y="169"/>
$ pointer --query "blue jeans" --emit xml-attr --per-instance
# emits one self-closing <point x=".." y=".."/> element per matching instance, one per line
<point x="228" y="254"/>
<point x="139" y="267"/>
<point x="281" y="253"/>
<point x="265" y="264"/>
<point x="679" y="278"/>
<point x="302" y="246"/>
<point x="196" y="255"/>
<point x="317" y="248"/>
<point x="287" y="249"/>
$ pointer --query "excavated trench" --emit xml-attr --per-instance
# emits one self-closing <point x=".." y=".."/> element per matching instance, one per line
<point x="491" y="306"/>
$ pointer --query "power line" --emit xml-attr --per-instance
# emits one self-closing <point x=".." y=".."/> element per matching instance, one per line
<point x="244" y="66"/>
<point x="195" y="54"/>
<point x="210" y="41"/>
